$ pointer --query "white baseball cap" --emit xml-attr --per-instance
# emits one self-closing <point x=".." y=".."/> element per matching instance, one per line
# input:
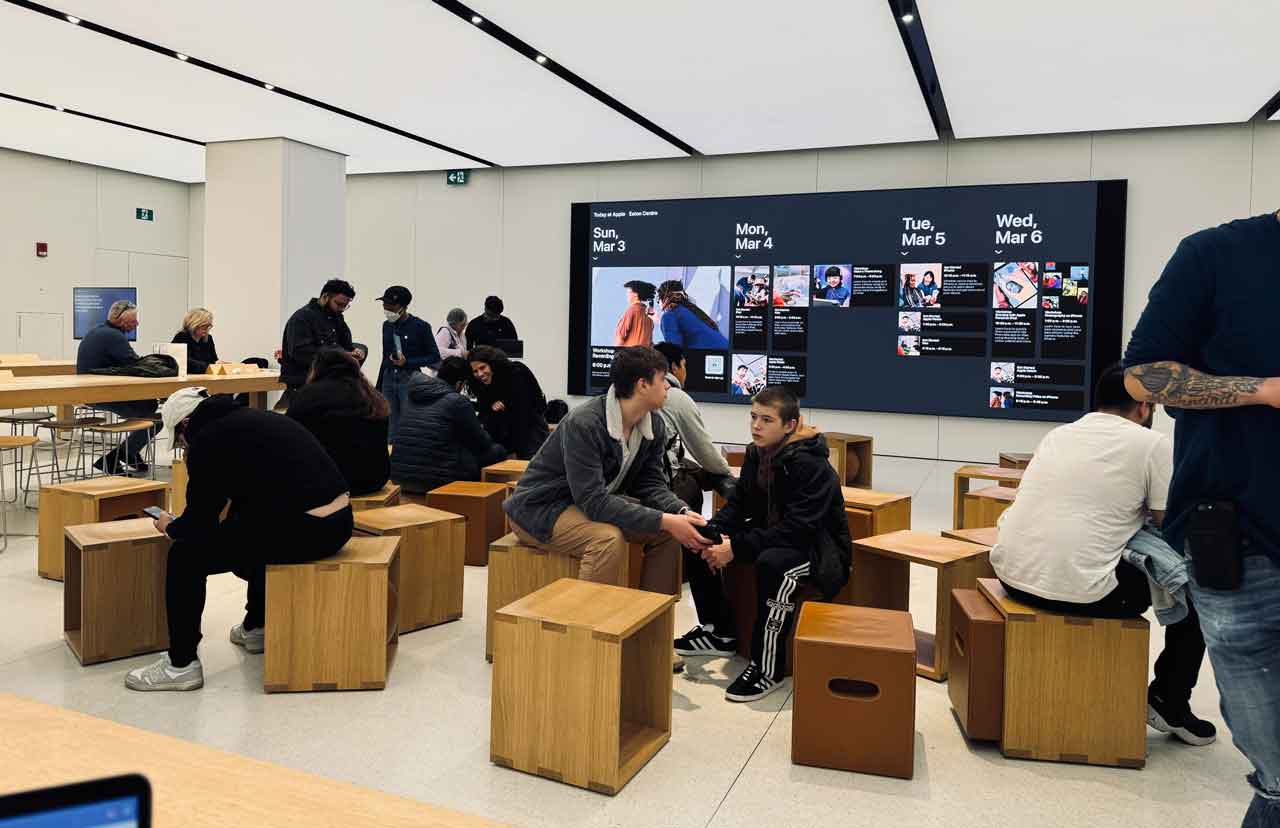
<point x="179" y="407"/>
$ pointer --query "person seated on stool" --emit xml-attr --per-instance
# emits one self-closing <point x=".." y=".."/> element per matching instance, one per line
<point x="348" y="417"/>
<point x="440" y="438"/>
<point x="597" y="482"/>
<point x="289" y="504"/>
<point x="407" y="348"/>
<point x="107" y="346"/>
<point x="785" y="515"/>
<point x="201" y="352"/>
<point x="1092" y="486"/>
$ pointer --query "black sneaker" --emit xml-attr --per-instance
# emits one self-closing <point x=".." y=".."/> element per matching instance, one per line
<point x="1180" y="721"/>
<point x="751" y="685"/>
<point x="701" y="641"/>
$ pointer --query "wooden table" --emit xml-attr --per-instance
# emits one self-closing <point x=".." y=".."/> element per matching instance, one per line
<point x="966" y="474"/>
<point x="80" y="389"/>
<point x="41" y="368"/>
<point x="192" y="785"/>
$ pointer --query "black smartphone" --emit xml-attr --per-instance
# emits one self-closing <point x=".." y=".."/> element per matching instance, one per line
<point x="710" y="534"/>
<point x="1214" y="541"/>
<point x="154" y="512"/>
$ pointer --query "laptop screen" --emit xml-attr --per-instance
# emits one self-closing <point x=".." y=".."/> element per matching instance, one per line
<point x="111" y="813"/>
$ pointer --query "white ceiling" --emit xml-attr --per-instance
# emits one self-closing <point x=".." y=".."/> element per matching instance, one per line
<point x="731" y="76"/>
<point x="1009" y="67"/>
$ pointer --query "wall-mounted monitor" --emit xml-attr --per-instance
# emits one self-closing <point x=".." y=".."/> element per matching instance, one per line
<point x="90" y="305"/>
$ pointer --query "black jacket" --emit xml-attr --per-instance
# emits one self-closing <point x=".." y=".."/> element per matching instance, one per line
<point x="309" y="329"/>
<point x="485" y="331"/>
<point x="807" y="505"/>
<point x="522" y="424"/>
<point x="334" y="412"/>
<point x="200" y="355"/>
<point x="439" y="439"/>
<point x="268" y="466"/>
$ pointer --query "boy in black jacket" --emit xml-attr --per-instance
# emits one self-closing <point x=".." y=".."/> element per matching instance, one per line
<point x="786" y="515"/>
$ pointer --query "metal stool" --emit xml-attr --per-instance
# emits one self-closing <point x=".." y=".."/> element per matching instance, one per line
<point x="101" y="435"/>
<point x="59" y="431"/>
<point x="19" y="422"/>
<point x="15" y="443"/>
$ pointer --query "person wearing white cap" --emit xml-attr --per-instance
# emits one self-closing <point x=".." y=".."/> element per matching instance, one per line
<point x="288" y="504"/>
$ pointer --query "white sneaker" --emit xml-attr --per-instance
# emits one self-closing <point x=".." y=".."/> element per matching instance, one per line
<point x="253" y="641"/>
<point x="162" y="675"/>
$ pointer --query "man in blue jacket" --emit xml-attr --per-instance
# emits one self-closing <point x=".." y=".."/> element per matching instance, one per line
<point x="107" y="346"/>
<point x="407" y="347"/>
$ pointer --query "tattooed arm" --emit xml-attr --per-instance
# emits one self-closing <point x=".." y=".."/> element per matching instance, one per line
<point x="1179" y="386"/>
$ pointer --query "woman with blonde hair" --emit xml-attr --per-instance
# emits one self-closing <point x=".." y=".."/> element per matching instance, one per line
<point x="201" y="352"/>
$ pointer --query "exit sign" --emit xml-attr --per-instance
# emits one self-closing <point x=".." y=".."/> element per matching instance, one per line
<point x="457" y="178"/>
<point x="143" y="214"/>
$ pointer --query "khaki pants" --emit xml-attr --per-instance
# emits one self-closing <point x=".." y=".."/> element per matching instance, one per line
<point x="602" y="551"/>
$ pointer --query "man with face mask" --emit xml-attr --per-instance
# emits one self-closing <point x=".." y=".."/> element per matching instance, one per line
<point x="316" y="325"/>
<point x="407" y="348"/>
<point x="1092" y="487"/>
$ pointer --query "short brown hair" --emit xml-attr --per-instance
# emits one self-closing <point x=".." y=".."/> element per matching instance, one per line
<point x="630" y="365"/>
<point x="776" y="396"/>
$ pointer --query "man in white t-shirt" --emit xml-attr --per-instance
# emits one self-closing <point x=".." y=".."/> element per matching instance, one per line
<point x="1091" y="486"/>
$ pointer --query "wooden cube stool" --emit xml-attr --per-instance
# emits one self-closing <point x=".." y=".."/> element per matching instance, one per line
<point x="882" y="578"/>
<point x="855" y="690"/>
<point x="851" y="456"/>
<point x="481" y="505"/>
<point x="1075" y="688"/>
<point x="734" y="455"/>
<point x="96" y="500"/>
<point x="113" y="593"/>
<point x="333" y="624"/>
<point x="582" y="683"/>
<point x="983" y="508"/>
<point x="516" y="570"/>
<point x="178" y="480"/>
<point x="976" y="683"/>
<point x="982" y="536"/>
<point x="388" y="495"/>
<point x="1014" y="460"/>
<point x="432" y="547"/>
<point x="508" y="471"/>
<point x="965" y="475"/>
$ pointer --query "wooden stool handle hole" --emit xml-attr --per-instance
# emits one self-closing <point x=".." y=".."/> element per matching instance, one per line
<point x="853" y="689"/>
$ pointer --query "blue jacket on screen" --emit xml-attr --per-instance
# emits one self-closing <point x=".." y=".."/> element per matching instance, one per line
<point x="834" y="294"/>
<point x="681" y="326"/>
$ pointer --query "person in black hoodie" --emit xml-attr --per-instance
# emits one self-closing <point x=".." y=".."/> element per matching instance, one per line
<point x="785" y="515"/>
<point x="288" y="504"/>
<point x="201" y="352"/>
<point x="348" y="417"/>
<point x="509" y="400"/>
<point x="318" y="324"/>
<point x="490" y="326"/>
<point x="440" y="439"/>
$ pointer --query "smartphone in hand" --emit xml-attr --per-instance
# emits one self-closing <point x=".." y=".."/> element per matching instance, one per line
<point x="154" y="512"/>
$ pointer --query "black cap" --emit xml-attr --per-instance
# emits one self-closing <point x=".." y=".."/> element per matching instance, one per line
<point x="397" y="295"/>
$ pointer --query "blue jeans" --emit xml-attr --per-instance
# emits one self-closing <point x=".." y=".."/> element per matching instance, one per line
<point x="394" y="383"/>
<point x="1242" y="631"/>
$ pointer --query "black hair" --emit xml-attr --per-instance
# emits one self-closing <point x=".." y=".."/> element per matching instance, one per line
<point x="630" y="365"/>
<point x="454" y="370"/>
<point x="672" y="292"/>
<point x="557" y="410"/>
<point x="488" y="353"/>
<point x="493" y="304"/>
<point x="673" y="352"/>
<point x="643" y="289"/>
<point x="833" y="270"/>
<point x="781" y="398"/>
<point x="1110" y="394"/>
<point x="338" y="287"/>
<point x="337" y="364"/>
<point x="931" y="277"/>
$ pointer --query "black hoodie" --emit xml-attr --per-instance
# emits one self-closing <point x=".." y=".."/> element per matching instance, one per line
<point x="334" y="411"/>
<point x="439" y="439"/>
<point x="801" y="508"/>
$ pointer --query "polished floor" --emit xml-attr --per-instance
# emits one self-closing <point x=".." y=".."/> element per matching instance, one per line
<point x="427" y="735"/>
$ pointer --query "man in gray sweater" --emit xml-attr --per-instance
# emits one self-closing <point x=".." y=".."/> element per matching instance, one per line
<point x="598" y="482"/>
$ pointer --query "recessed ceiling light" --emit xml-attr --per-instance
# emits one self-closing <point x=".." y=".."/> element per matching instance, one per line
<point x="477" y="19"/>
<point x="541" y="58"/>
<point x="179" y="56"/>
<point x="908" y="18"/>
<point x="73" y="20"/>
<point x="267" y="87"/>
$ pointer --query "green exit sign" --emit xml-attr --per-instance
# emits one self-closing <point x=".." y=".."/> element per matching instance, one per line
<point x="457" y="178"/>
<point x="143" y="214"/>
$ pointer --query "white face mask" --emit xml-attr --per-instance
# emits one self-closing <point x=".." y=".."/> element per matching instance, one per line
<point x="392" y="316"/>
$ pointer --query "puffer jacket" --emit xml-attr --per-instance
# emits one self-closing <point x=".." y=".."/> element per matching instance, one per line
<point x="439" y="439"/>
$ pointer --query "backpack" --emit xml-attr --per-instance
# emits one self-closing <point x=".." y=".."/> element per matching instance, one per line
<point x="151" y="365"/>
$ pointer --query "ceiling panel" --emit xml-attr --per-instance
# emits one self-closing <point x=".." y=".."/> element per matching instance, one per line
<point x="730" y="76"/>
<point x="1014" y="68"/>
<point x="408" y="63"/>
<point x="59" y="135"/>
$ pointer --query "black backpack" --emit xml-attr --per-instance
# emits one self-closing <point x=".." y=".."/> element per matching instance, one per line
<point x="151" y="365"/>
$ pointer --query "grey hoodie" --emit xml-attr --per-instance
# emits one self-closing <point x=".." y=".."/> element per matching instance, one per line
<point x="684" y="426"/>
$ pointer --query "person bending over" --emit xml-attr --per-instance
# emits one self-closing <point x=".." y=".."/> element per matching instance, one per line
<point x="786" y="516"/>
<point x="317" y="324"/>
<point x="598" y="482"/>
<point x="1091" y="488"/>
<point x="509" y="400"/>
<point x="440" y="438"/>
<point x="288" y="504"/>
<point x="684" y="323"/>
<point x="348" y="417"/>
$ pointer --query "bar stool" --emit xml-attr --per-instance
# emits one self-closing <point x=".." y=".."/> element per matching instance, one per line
<point x="70" y="432"/>
<point x="108" y="436"/>
<point x="15" y="443"/>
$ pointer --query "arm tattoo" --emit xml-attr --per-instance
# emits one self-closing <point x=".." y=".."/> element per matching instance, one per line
<point x="1174" y="384"/>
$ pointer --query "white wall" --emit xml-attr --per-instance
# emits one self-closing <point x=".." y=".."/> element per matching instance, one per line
<point x="86" y="214"/>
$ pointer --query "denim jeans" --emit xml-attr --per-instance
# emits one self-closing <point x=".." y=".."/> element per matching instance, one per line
<point x="1242" y="631"/>
<point x="394" y="383"/>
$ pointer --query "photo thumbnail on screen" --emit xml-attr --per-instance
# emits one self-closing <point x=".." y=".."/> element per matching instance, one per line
<point x="1000" y="398"/>
<point x="909" y="322"/>
<point x="831" y="285"/>
<point x="1002" y="373"/>
<point x="909" y="346"/>
<point x="750" y="374"/>
<point x="791" y="286"/>
<point x="1015" y="285"/>
<point x="751" y="287"/>
<point x="920" y="285"/>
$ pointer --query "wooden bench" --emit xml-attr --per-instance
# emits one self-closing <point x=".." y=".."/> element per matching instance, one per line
<point x="388" y="495"/>
<point x="508" y="471"/>
<point x="983" y="508"/>
<point x="965" y="475"/>
<point x="432" y="549"/>
<point x="96" y="500"/>
<point x="481" y="505"/>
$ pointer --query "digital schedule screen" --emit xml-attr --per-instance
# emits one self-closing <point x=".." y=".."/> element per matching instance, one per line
<point x="988" y="301"/>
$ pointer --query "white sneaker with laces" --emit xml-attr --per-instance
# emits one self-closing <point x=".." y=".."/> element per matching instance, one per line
<point x="253" y="641"/>
<point x="162" y="675"/>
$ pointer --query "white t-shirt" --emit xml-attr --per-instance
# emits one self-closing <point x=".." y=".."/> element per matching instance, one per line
<point x="1085" y="494"/>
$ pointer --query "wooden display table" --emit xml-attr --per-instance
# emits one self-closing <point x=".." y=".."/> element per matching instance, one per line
<point x="965" y="475"/>
<point x="333" y="624"/>
<point x="432" y="547"/>
<point x="388" y="495"/>
<point x="96" y="500"/>
<point x="113" y="596"/>
<point x="983" y="508"/>
<point x="481" y="504"/>
<point x="983" y="536"/>
<point x="851" y="456"/>
<point x="882" y="578"/>
<point x="508" y="471"/>
<point x="1014" y="460"/>
<point x="66" y="392"/>
<point x="582" y="683"/>
<point x="1091" y="672"/>
<point x="193" y="786"/>
<point x="39" y="367"/>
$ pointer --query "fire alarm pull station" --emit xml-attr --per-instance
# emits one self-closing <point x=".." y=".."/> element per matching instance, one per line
<point x="42" y="249"/>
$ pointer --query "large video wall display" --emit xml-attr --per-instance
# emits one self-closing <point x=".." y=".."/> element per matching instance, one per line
<point x="993" y="301"/>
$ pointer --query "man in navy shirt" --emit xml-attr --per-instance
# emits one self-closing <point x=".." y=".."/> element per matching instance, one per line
<point x="107" y="346"/>
<point x="407" y="348"/>
<point x="1203" y="347"/>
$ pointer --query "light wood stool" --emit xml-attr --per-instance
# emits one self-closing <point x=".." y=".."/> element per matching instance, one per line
<point x="976" y="683"/>
<point x="1014" y="460"/>
<point x="1075" y="688"/>
<point x="982" y="536"/>
<point x="333" y="624"/>
<point x="965" y="475"/>
<point x="516" y="570"/>
<point x="481" y="505"/>
<point x="983" y="508"/>
<point x="388" y="495"/>
<point x="734" y="455"/>
<point x="96" y="500"/>
<point x="113" y="595"/>
<point x="882" y="578"/>
<point x="851" y="456"/>
<point x="432" y="546"/>
<point x="582" y="683"/>
<point x="508" y="471"/>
